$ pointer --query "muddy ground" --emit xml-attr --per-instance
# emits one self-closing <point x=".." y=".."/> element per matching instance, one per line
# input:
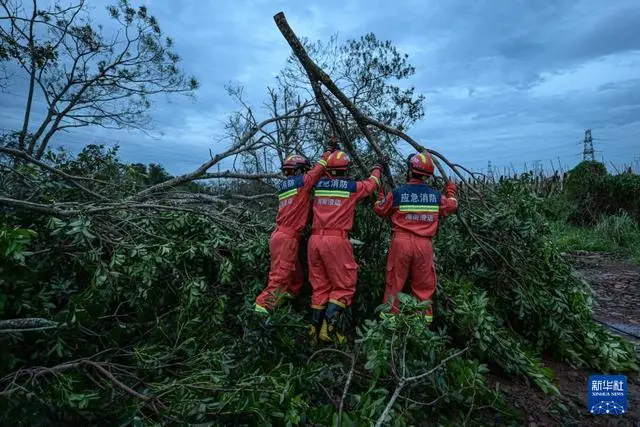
<point x="617" y="305"/>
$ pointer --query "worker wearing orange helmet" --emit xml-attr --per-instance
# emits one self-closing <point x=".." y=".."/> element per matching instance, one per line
<point x="414" y="210"/>
<point x="333" y="269"/>
<point x="294" y="194"/>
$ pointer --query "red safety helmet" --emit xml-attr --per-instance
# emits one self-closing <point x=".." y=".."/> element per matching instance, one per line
<point x="338" y="160"/>
<point x="295" y="161"/>
<point x="421" y="164"/>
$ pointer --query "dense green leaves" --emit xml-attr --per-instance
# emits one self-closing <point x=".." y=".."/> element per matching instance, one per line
<point x="592" y="193"/>
<point x="156" y="326"/>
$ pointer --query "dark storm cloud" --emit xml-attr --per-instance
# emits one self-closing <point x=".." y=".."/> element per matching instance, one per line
<point x="509" y="80"/>
<point x="511" y="42"/>
<point x="518" y="126"/>
<point x="485" y="64"/>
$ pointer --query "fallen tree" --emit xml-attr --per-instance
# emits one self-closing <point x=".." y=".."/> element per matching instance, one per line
<point x="146" y="317"/>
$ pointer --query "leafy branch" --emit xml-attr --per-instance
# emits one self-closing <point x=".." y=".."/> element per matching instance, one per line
<point x="404" y="381"/>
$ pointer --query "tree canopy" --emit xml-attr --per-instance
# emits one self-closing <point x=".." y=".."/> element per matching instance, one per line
<point x="87" y="77"/>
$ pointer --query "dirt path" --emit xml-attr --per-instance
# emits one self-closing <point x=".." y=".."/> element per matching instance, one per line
<point x="617" y="287"/>
<point x="617" y="304"/>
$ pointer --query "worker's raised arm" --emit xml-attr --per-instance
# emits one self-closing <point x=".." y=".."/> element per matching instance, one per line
<point x="383" y="207"/>
<point x="367" y="186"/>
<point x="312" y="177"/>
<point x="448" y="201"/>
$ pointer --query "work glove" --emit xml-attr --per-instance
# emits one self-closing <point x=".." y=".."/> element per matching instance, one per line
<point x="333" y="146"/>
<point x="450" y="189"/>
<point x="383" y="162"/>
<point x="378" y="167"/>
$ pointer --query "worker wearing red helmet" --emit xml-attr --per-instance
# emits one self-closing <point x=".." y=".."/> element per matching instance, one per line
<point x="414" y="210"/>
<point x="294" y="194"/>
<point x="332" y="267"/>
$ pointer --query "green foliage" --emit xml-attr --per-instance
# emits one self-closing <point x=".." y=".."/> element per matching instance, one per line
<point x="13" y="243"/>
<point x="403" y="347"/>
<point x="582" y="187"/>
<point x="530" y="287"/>
<point x="621" y="229"/>
<point x="622" y="193"/>
<point x="618" y="233"/>
<point x="583" y="178"/>
<point x="558" y="208"/>
<point x="156" y="323"/>
<point x="590" y="192"/>
<point x="155" y="174"/>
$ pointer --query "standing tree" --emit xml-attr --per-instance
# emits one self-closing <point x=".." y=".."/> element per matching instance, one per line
<point x="85" y="77"/>
<point x="369" y="72"/>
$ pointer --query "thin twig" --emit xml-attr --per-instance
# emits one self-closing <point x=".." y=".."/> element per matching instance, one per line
<point x="439" y="366"/>
<point x="473" y="399"/>
<point x="117" y="381"/>
<point x="328" y="350"/>
<point x="404" y="381"/>
<point x="346" y="387"/>
<point x="70" y="178"/>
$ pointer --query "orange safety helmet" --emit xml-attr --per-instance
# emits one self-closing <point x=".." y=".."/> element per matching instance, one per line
<point x="338" y="160"/>
<point x="295" y="161"/>
<point x="421" y="164"/>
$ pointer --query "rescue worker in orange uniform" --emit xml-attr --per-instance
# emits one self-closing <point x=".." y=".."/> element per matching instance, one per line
<point x="414" y="210"/>
<point x="294" y="194"/>
<point x="333" y="270"/>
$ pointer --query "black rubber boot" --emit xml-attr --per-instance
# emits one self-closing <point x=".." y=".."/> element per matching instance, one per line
<point x="330" y="331"/>
<point x="317" y="317"/>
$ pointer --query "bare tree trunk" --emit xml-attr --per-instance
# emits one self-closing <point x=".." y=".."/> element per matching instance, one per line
<point x="32" y="80"/>
<point x="316" y="74"/>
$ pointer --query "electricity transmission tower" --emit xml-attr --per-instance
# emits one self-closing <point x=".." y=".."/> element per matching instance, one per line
<point x="588" y="153"/>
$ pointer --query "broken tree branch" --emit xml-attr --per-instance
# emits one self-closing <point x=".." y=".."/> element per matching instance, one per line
<point x="235" y="175"/>
<point x="333" y="122"/>
<point x="56" y="209"/>
<point x="318" y="75"/>
<point x="116" y="381"/>
<point x="73" y="179"/>
<point x="26" y="325"/>
<point x="404" y="381"/>
<point x="243" y="144"/>
<point x="346" y="387"/>
<point x="35" y="372"/>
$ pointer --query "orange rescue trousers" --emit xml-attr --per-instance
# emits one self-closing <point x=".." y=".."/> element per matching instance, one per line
<point x="413" y="254"/>
<point x="286" y="274"/>
<point x="333" y="270"/>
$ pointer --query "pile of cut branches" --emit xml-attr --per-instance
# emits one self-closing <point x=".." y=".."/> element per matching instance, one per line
<point x="136" y="298"/>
